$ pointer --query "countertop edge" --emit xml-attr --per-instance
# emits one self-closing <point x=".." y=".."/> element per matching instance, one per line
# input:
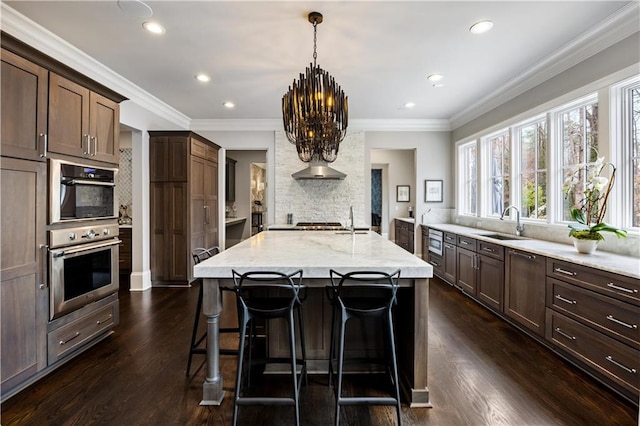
<point x="601" y="260"/>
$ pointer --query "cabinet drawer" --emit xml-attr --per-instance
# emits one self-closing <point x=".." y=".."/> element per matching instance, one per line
<point x="198" y="148"/>
<point x="438" y="264"/>
<point x="65" y="339"/>
<point x="616" y="361"/>
<point x="617" y="319"/>
<point x="450" y="238"/>
<point x="490" y="249"/>
<point x="614" y="285"/>
<point x="466" y="243"/>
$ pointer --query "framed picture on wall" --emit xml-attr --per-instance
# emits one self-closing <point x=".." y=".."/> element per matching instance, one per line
<point x="433" y="191"/>
<point x="403" y="193"/>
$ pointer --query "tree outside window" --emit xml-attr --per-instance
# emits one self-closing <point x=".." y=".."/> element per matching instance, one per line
<point x="533" y="170"/>
<point x="634" y="136"/>
<point x="468" y="175"/>
<point x="579" y="127"/>
<point x="499" y="181"/>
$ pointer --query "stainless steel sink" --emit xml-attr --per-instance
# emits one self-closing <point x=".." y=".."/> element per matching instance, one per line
<point x="502" y="237"/>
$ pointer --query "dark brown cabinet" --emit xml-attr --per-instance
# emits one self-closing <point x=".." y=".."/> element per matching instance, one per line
<point x="24" y="113"/>
<point x="525" y="289"/>
<point x="184" y="202"/>
<point x="404" y="232"/>
<point x="594" y="317"/>
<point x="480" y="271"/>
<point x="230" y="179"/>
<point x="125" y="251"/>
<point x="23" y="290"/>
<point x="466" y="271"/>
<point x="450" y="258"/>
<point x="82" y="123"/>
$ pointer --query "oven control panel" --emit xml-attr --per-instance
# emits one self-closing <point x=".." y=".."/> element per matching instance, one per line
<point x="82" y="234"/>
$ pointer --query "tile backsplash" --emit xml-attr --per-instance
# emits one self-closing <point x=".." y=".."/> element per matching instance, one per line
<point x="124" y="185"/>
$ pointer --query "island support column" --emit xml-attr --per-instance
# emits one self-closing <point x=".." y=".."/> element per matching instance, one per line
<point x="212" y="391"/>
<point x="419" y="396"/>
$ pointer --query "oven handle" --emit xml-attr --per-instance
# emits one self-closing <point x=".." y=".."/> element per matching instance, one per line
<point x="85" y="247"/>
<point x="87" y="182"/>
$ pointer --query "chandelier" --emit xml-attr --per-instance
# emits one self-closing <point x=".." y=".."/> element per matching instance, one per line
<point x="315" y="110"/>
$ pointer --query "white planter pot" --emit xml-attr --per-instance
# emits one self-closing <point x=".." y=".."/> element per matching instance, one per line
<point x="585" y="246"/>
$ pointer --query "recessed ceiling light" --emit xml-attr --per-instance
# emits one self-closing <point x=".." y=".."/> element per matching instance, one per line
<point x="153" y="27"/>
<point x="203" y="78"/>
<point x="481" y="27"/>
<point x="435" y="77"/>
<point x="135" y="8"/>
<point x="409" y="105"/>
<point x="229" y="105"/>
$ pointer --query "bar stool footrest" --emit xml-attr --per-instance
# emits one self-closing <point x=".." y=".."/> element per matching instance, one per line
<point x="246" y="400"/>
<point x="363" y="400"/>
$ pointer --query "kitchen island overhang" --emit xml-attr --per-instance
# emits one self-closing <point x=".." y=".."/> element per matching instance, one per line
<point x="316" y="253"/>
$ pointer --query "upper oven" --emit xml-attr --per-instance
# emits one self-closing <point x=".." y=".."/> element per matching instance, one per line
<point x="81" y="192"/>
<point x="435" y="241"/>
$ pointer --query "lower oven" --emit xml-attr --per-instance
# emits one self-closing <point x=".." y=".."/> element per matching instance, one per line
<point x="83" y="266"/>
<point x="436" y="240"/>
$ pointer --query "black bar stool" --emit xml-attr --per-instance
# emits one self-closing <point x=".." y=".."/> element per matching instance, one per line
<point x="200" y="254"/>
<point x="361" y="295"/>
<point x="264" y="295"/>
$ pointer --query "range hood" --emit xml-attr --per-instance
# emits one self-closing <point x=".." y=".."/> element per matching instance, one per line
<point x="319" y="170"/>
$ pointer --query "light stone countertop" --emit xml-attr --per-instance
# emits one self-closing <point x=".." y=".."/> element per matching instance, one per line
<point x="315" y="253"/>
<point x="407" y="219"/>
<point x="234" y="220"/>
<point x="623" y="265"/>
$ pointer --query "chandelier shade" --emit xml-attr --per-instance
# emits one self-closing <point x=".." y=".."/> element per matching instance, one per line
<point x="315" y="111"/>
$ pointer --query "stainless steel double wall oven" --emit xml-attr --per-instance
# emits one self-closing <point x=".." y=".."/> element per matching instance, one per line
<point x="83" y="235"/>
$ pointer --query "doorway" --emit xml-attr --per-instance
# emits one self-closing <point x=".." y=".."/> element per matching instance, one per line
<point x="376" y="200"/>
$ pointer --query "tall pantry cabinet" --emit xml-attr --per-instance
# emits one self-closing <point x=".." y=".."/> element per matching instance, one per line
<point x="184" y="202"/>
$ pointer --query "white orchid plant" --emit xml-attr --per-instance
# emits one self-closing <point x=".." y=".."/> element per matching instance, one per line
<point x="589" y="211"/>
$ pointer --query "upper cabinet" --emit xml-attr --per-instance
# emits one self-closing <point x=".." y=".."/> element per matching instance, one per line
<point x="82" y="123"/>
<point x="24" y="112"/>
<point x="54" y="109"/>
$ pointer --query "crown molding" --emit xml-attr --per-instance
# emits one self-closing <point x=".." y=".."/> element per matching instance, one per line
<point x="38" y="37"/>
<point x="611" y="30"/>
<point x="429" y="125"/>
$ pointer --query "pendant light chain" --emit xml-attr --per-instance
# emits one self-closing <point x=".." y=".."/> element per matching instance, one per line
<point x="315" y="41"/>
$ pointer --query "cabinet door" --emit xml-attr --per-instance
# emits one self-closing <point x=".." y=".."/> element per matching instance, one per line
<point x="230" y="176"/>
<point x="68" y="117"/>
<point x="24" y="293"/>
<point x="178" y="232"/>
<point x="24" y="107"/>
<point x="211" y="202"/>
<point x="490" y="282"/>
<point x="197" y="205"/>
<point x="525" y="289"/>
<point x="159" y="244"/>
<point x="104" y="119"/>
<point x="450" y="255"/>
<point x="466" y="269"/>
<point x="168" y="159"/>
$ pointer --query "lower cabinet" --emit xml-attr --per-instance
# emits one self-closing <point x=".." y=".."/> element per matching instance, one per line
<point x="449" y="259"/>
<point x="525" y="289"/>
<point x="490" y="285"/>
<point x="466" y="270"/>
<point x="404" y="232"/>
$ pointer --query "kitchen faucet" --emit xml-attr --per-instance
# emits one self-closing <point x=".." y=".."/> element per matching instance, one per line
<point x="519" y="226"/>
<point x="352" y="228"/>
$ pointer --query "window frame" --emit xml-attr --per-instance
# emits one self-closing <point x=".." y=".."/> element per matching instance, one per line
<point x="462" y="155"/>
<point x="517" y="164"/>
<point x="486" y="172"/>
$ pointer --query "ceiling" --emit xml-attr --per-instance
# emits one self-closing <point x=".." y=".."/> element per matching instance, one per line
<point x="379" y="52"/>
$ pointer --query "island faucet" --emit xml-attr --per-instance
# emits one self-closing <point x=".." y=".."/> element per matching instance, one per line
<point x="519" y="226"/>
<point x="352" y="228"/>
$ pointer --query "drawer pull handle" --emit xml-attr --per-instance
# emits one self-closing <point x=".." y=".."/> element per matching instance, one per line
<point x="434" y="263"/>
<point x="565" y="300"/>
<point x="563" y="334"/>
<point x="449" y="246"/>
<point x="490" y="250"/>
<point x="527" y="256"/>
<point x="617" y="321"/>
<point x="624" y="367"/>
<point x="565" y="272"/>
<point x="98" y="322"/>
<point x="626" y="290"/>
<point x="464" y="242"/>
<point x="64" y="342"/>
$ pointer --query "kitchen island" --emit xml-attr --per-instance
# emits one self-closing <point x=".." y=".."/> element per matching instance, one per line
<point x="316" y="253"/>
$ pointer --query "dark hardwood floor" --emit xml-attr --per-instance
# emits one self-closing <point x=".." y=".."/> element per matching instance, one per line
<point x="481" y="371"/>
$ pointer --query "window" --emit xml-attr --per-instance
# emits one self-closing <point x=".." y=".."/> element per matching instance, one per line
<point x="532" y="144"/>
<point x="578" y="128"/>
<point x="467" y="166"/>
<point x="499" y="179"/>
<point x="633" y="119"/>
